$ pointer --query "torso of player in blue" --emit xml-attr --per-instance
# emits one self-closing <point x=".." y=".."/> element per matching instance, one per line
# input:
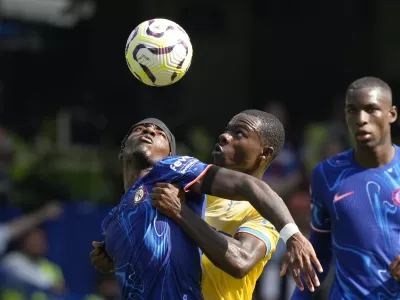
<point x="153" y="257"/>
<point x="361" y="208"/>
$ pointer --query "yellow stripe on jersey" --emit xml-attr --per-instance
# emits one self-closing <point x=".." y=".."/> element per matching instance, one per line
<point x="231" y="217"/>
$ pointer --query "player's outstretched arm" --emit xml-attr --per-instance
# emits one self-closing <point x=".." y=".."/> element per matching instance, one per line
<point x="233" y="185"/>
<point x="235" y="256"/>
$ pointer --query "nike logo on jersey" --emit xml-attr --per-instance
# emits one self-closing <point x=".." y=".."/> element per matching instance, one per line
<point x="338" y="197"/>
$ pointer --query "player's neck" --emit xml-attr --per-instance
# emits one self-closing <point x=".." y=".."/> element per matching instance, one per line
<point x="133" y="170"/>
<point x="131" y="176"/>
<point x="375" y="157"/>
<point x="257" y="173"/>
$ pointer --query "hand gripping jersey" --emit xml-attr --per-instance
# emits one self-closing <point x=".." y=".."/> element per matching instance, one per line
<point x="153" y="257"/>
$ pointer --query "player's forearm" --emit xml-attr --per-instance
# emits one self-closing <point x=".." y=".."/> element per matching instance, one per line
<point x="238" y="186"/>
<point x="20" y="225"/>
<point x="224" y="252"/>
<point x="322" y="246"/>
<point x="267" y="203"/>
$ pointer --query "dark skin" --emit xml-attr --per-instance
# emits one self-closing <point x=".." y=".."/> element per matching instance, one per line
<point x="238" y="186"/>
<point x="242" y="150"/>
<point x="394" y="268"/>
<point x="369" y="114"/>
<point x="146" y="145"/>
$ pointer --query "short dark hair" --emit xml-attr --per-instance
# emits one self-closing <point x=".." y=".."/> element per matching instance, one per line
<point x="271" y="130"/>
<point x="369" y="82"/>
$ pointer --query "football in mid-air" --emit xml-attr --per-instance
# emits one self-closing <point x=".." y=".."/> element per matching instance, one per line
<point x="158" y="52"/>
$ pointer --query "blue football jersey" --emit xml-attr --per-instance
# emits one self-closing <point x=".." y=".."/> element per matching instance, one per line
<point x="153" y="257"/>
<point x="360" y="208"/>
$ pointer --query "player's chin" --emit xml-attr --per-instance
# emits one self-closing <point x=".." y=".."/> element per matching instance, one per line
<point x="219" y="159"/>
<point x="366" y="142"/>
<point x="142" y="149"/>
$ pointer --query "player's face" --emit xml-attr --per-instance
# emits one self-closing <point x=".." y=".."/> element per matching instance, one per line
<point x="369" y="114"/>
<point x="147" y="140"/>
<point x="35" y="243"/>
<point x="240" y="146"/>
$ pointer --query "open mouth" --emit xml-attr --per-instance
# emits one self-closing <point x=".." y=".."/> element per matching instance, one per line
<point x="146" y="138"/>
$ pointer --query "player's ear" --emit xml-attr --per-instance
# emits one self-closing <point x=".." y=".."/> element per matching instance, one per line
<point x="392" y="114"/>
<point x="267" y="153"/>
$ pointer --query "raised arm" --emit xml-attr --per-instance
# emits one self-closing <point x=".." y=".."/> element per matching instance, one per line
<point x="233" y="185"/>
<point x="22" y="224"/>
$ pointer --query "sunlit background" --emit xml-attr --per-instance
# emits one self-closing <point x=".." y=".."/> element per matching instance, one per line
<point x="67" y="98"/>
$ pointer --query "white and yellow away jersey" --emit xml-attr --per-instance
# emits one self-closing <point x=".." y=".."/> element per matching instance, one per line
<point x="231" y="217"/>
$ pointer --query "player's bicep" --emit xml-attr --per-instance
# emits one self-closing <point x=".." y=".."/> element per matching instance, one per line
<point x="223" y="183"/>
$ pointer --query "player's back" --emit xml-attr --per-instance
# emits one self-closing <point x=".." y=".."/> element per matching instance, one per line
<point x="361" y="207"/>
<point x="153" y="257"/>
<point x="230" y="218"/>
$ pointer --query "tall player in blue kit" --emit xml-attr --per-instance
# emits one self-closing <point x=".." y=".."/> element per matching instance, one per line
<point x="152" y="256"/>
<point x="356" y="200"/>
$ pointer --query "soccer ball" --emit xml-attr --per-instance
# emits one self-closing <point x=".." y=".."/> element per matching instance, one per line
<point x="158" y="52"/>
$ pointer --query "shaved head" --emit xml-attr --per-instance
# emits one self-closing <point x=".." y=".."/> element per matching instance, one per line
<point x="372" y="86"/>
<point x="369" y="112"/>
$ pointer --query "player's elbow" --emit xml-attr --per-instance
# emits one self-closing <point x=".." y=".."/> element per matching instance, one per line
<point x="243" y="263"/>
<point x="239" y="273"/>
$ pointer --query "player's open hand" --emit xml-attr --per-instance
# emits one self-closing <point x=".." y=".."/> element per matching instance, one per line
<point x="300" y="257"/>
<point x="394" y="268"/>
<point x="100" y="259"/>
<point x="168" y="199"/>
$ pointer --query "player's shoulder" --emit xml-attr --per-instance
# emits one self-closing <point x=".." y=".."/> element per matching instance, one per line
<point x="178" y="164"/>
<point x="343" y="160"/>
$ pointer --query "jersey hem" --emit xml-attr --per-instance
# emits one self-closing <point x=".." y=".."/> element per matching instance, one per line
<point x="258" y="235"/>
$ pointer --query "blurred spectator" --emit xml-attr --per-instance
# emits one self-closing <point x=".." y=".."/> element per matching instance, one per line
<point x="19" y="226"/>
<point x="284" y="174"/>
<point x="28" y="265"/>
<point x="106" y="288"/>
<point x="317" y="133"/>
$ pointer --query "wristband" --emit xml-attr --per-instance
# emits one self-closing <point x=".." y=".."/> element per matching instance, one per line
<point x="288" y="230"/>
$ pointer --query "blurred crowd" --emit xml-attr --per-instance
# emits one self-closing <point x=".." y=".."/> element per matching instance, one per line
<point x="64" y="89"/>
<point x="33" y="174"/>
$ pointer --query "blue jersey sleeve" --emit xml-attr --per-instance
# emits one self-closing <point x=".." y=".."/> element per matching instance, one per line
<point x="320" y="220"/>
<point x="183" y="171"/>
